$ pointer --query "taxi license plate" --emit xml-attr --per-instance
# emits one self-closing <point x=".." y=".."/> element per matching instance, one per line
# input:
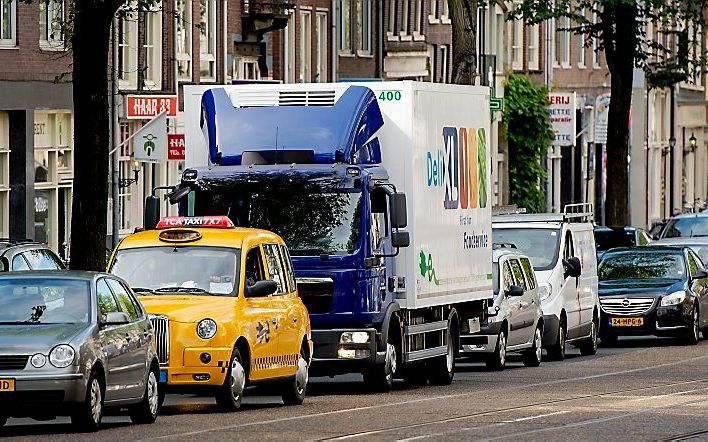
<point x="7" y="385"/>
<point x="163" y="376"/>
<point x="626" y="322"/>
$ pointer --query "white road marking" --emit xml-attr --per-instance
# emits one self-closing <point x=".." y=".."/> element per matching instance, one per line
<point x="425" y="399"/>
<point x="538" y="416"/>
<point x="666" y="395"/>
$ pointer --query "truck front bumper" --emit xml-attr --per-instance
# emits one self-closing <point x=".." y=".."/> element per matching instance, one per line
<point x="331" y="356"/>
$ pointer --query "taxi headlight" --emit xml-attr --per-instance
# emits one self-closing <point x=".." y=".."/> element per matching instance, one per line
<point x="354" y="338"/>
<point x="206" y="329"/>
<point x="675" y="298"/>
<point x="62" y="356"/>
<point x="38" y="360"/>
<point x="544" y="290"/>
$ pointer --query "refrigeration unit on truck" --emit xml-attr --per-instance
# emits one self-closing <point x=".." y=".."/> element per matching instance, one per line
<point x="381" y="193"/>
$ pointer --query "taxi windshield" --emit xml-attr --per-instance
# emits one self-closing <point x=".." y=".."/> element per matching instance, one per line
<point x="190" y="269"/>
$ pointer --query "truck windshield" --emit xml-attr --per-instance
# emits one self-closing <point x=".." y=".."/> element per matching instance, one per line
<point x="313" y="217"/>
<point x="539" y="244"/>
<point x="193" y="270"/>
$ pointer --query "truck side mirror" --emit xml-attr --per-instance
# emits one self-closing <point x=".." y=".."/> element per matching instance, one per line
<point x="572" y="267"/>
<point x="178" y="193"/>
<point x="400" y="239"/>
<point x="399" y="211"/>
<point x="152" y="212"/>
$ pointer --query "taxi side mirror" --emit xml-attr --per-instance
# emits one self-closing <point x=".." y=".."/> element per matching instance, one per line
<point x="261" y="289"/>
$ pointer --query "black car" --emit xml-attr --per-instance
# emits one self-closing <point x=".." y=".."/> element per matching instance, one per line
<point x="607" y="238"/>
<point x="22" y="254"/>
<point x="661" y="291"/>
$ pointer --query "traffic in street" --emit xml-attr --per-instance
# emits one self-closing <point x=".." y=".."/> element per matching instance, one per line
<point x="640" y="389"/>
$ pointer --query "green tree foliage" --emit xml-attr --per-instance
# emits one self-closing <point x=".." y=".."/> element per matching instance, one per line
<point x="528" y="128"/>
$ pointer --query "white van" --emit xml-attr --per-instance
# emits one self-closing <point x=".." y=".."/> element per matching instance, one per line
<point x="561" y="247"/>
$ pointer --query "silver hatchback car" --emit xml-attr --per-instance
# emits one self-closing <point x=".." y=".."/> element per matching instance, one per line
<point x="74" y="343"/>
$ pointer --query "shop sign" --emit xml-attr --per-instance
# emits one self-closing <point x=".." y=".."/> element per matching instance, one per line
<point x="175" y="147"/>
<point x="602" y="114"/>
<point x="150" y="141"/>
<point x="562" y="110"/>
<point x="145" y="107"/>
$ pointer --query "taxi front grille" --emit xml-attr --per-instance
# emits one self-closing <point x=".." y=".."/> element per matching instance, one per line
<point x="316" y="294"/>
<point x="626" y="306"/>
<point x="161" y="329"/>
<point x="12" y="362"/>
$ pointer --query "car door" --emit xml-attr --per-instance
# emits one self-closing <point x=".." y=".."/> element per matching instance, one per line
<point x="530" y="298"/>
<point x="570" y="290"/>
<point x="137" y="338"/>
<point x="699" y="287"/>
<point x="112" y="340"/>
<point x="521" y="304"/>
<point x="261" y="316"/>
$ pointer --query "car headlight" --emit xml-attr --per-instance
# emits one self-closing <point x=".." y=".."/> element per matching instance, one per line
<point x="354" y="338"/>
<point x="675" y="298"/>
<point x="206" y="329"/>
<point x="544" y="290"/>
<point x="38" y="360"/>
<point x="62" y="356"/>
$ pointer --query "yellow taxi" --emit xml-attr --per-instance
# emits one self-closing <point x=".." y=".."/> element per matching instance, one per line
<point x="224" y="306"/>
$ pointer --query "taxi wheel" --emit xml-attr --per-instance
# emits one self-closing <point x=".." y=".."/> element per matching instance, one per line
<point x="294" y="391"/>
<point x="230" y="394"/>
<point x="497" y="360"/>
<point x="89" y="413"/>
<point x="146" y="411"/>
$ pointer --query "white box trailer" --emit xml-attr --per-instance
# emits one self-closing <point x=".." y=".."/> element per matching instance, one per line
<point x="434" y="147"/>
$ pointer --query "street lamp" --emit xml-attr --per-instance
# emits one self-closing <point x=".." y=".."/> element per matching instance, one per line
<point x="127" y="182"/>
<point x="692" y="142"/>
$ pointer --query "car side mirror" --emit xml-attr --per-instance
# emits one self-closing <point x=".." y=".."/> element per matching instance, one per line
<point x="400" y="239"/>
<point x="515" y="290"/>
<point x="700" y="274"/>
<point x="261" y="289"/>
<point x="572" y="267"/>
<point x="115" y="318"/>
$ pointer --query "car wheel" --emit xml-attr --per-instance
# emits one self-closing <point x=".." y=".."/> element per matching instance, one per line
<point x="532" y="357"/>
<point x="497" y="361"/>
<point x="146" y="411"/>
<point x="556" y="352"/>
<point x="588" y="347"/>
<point x="693" y="334"/>
<point x="294" y="392"/>
<point x="442" y="370"/>
<point x="230" y="395"/>
<point x="89" y="413"/>
<point x="380" y="378"/>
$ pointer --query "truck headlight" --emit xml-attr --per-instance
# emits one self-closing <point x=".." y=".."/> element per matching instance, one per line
<point x="544" y="290"/>
<point x="206" y="329"/>
<point x="675" y="298"/>
<point x="62" y="356"/>
<point x="354" y="338"/>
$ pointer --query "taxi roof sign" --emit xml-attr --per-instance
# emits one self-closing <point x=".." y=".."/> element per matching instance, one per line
<point x="214" y="222"/>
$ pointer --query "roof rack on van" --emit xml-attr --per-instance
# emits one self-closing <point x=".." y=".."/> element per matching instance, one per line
<point x="503" y="245"/>
<point x="511" y="209"/>
<point x="581" y="212"/>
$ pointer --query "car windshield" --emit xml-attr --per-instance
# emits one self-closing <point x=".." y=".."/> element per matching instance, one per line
<point x="313" y="215"/>
<point x="609" y="239"/>
<point x="540" y="245"/>
<point x="641" y="265"/>
<point x="191" y="269"/>
<point x="686" y="227"/>
<point x="44" y="301"/>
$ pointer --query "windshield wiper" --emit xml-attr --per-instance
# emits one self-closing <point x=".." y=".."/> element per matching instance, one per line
<point x="181" y="290"/>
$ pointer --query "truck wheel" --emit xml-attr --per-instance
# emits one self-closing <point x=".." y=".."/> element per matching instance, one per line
<point x="380" y="378"/>
<point x="497" y="361"/>
<point x="442" y="370"/>
<point x="89" y="413"/>
<point x="146" y="411"/>
<point x="556" y="352"/>
<point x="532" y="356"/>
<point x="230" y="395"/>
<point x="588" y="347"/>
<point x="294" y="392"/>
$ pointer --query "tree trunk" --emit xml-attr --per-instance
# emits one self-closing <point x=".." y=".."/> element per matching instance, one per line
<point x="463" y="15"/>
<point x="620" y="60"/>
<point x="90" y="46"/>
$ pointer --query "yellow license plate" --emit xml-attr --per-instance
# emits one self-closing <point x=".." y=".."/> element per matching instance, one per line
<point x="627" y="322"/>
<point x="7" y="385"/>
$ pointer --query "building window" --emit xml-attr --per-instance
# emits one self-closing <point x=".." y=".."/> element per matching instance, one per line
<point x="443" y="64"/>
<point x="184" y="40"/>
<point x="345" y="30"/>
<point x="153" y="50"/>
<point x="364" y="26"/>
<point x="562" y="43"/>
<point x="517" y="45"/>
<point x="289" y="46"/>
<point x="417" y="27"/>
<point x="433" y="16"/>
<point x="445" y="13"/>
<point x="391" y="24"/>
<point x="534" y="37"/>
<point x="304" y="70"/>
<point x="405" y="17"/>
<point x="207" y="40"/>
<point x="595" y="46"/>
<point x="321" y="76"/>
<point x="51" y="19"/>
<point x="8" y="22"/>
<point x="128" y="51"/>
